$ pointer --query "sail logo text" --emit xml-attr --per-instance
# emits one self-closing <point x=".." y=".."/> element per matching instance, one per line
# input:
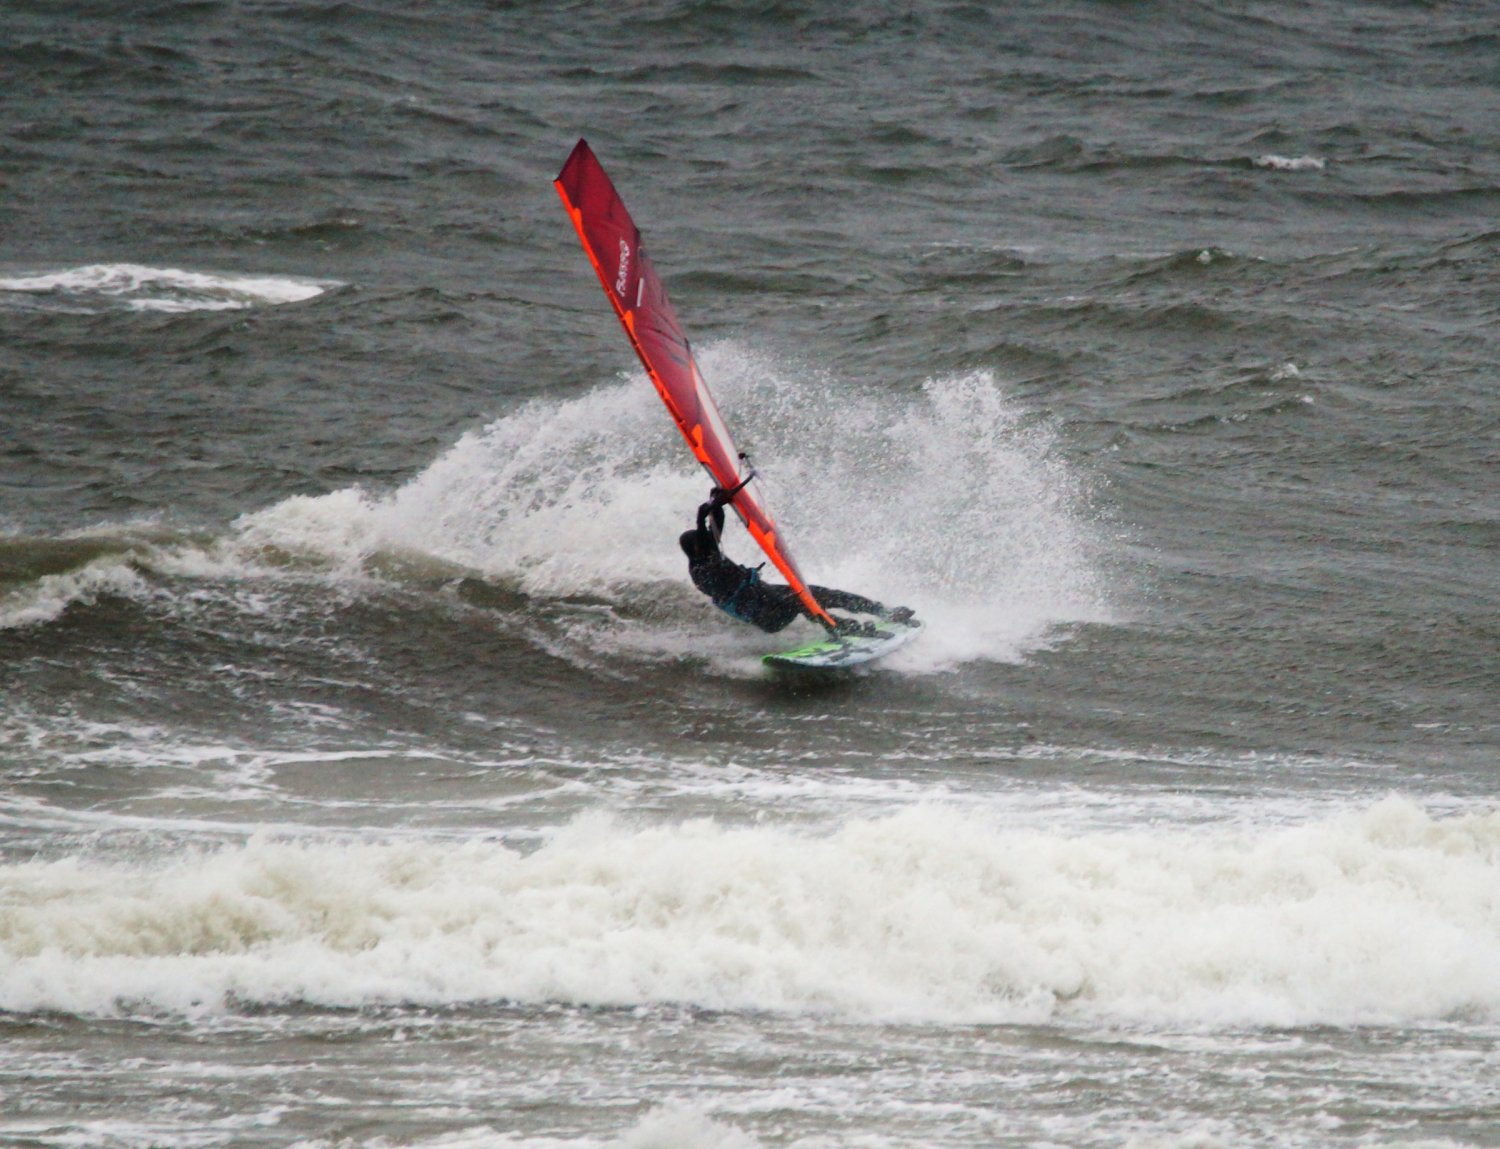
<point x="624" y="268"/>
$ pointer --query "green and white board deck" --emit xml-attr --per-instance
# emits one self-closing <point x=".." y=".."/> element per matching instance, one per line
<point x="848" y="650"/>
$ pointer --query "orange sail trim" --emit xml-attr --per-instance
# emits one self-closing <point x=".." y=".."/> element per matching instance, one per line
<point x="613" y="244"/>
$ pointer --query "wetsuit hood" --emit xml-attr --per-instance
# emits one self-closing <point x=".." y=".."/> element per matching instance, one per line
<point x="693" y="545"/>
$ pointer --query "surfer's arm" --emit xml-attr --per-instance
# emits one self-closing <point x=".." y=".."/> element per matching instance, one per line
<point x="711" y="516"/>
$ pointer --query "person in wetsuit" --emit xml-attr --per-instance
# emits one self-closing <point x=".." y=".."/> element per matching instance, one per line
<point x="739" y="591"/>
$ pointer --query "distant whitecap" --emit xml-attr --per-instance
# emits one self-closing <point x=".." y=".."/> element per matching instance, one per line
<point x="1291" y="163"/>
<point x="134" y="287"/>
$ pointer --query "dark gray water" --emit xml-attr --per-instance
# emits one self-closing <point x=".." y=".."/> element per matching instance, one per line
<point x="374" y="777"/>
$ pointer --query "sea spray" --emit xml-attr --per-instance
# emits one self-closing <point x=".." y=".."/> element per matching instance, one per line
<point x="948" y="497"/>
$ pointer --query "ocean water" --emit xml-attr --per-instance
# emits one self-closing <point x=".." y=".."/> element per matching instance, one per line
<point x="374" y="777"/>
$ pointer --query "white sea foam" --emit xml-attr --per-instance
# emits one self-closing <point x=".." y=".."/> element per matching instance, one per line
<point x="140" y="288"/>
<point x="1382" y="913"/>
<point x="1291" y="163"/>
<point x="677" y="1125"/>
<point x="339" y="528"/>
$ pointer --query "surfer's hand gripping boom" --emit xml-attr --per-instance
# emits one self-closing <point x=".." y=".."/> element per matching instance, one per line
<point x="719" y="495"/>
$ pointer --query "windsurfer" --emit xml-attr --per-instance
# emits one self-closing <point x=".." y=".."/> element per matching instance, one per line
<point x="739" y="591"/>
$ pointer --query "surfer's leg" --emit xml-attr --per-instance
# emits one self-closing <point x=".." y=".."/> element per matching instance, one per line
<point x="772" y="608"/>
<point x="843" y="600"/>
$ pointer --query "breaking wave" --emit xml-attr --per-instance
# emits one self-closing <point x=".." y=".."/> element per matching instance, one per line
<point x="1380" y="914"/>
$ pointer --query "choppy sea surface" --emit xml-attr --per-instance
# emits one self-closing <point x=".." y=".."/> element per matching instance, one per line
<point x="373" y="776"/>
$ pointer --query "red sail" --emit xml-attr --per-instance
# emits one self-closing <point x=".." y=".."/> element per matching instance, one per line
<point x="613" y="244"/>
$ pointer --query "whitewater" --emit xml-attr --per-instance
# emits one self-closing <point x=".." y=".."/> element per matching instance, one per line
<point x="1377" y="916"/>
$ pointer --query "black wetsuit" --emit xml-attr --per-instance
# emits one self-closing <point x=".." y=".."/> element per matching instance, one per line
<point x="739" y="591"/>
